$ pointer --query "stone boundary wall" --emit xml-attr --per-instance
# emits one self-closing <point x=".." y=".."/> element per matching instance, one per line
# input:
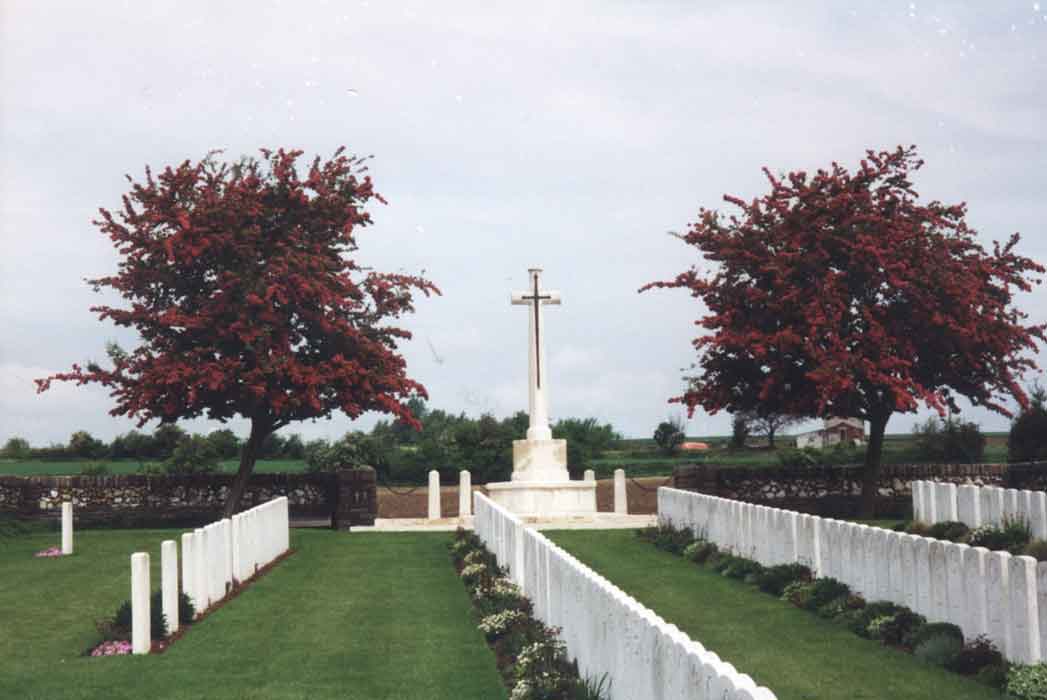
<point x="605" y="630"/>
<point x="136" y="499"/>
<point x="974" y="506"/>
<point x="836" y="491"/>
<point x="991" y="593"/>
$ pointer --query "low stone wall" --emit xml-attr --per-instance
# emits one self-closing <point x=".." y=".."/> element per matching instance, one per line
<point x="836" y="491"/>
<point x="135" y="499"/>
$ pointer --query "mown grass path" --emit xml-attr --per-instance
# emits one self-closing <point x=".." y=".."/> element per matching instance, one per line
<point x="793" y="652"/>
<point x="360" y="616"/>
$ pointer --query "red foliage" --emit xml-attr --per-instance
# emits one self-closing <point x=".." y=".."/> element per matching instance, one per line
<point x="241" y="283"/>
<point x="841" y="294"/>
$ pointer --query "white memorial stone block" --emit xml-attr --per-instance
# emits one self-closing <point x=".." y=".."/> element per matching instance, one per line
<point x="201" y="587"/>
<point x="985" y="505"/>
<point x="896" y="569"/>
<point x="67" y="527"/>
<point x="998" y="601"/>
<point x="169" y="583"/>
<point x="932" y="502"/>
<point x="939" y="582"/>
<point x="968" y="505"/>
<point x="465" y="494"/>
<point x="621" y="501"/>
<point x="434" y="495"/>
<point x="919" y="506"/>
<point x="188" y="576"/>
<point x="1038" y="512"/>
<point x="911" y="582"/>
<point x="589" y="475"/>
<point x="997" y="511"/>
<point x="1011" y="505"/>
<point x="140" y="615"/>
<point x="1025" y="618"/>
<point x="922" y="549"/>
<point x="975" y="563"/>
<point x="947" y="512"/>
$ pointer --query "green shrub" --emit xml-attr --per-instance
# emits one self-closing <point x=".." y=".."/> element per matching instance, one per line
<point x="870" y="613"/>
<point x="900" y="629"/>
<point x="1012" y="537"/>
<point x="193" y="455"/>
<point x="699" y="551"/>
<point x="939" y="649"/>
<point x="741" y="568"/>
<point x="1028" y="682"/>
<point x="936" y="629"/>
<point x="975" y="656"/>
<point x="723" y="562"/>
<point x="798" y="593"/>
<point x="949" y="530"/>
<point x="851" y="619"/>
<point x="834" y="608"/>
<point x="825" y="590"/>
<point x="774" y="579"/>
<point x="1037" y="549"/>
<point x="667" y="538"/>
<point x="121" y="622"/>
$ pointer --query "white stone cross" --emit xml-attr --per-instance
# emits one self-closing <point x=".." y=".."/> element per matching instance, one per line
<point x="538" y="403"/>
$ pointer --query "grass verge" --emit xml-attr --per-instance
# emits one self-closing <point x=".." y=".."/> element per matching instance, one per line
<point x="377" y="616"/>
<point x="794" y="653"/>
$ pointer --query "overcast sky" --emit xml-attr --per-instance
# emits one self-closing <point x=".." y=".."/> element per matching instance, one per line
<point x="569" y="136"/>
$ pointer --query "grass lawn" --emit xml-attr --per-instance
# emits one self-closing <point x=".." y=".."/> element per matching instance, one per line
<point x="36" y="467"/>
<point x="793" y="652"/>
<point x="362" y="616"/>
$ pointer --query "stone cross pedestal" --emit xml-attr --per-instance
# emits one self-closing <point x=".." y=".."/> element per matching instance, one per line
<point x="540" y="483"/>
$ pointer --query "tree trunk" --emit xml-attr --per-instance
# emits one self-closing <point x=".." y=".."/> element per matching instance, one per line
<point x="871" y="471"/>
<point x="248" y="456"/>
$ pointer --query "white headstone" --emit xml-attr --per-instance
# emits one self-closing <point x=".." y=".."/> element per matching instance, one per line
<point x="1011" y="505"/>
<point x="1041" y="605"/>
<point x="465" y="493"/>
<point x="998" y="601"/>
<point x="922" y="549"/>
<point x="434" y="495"/>
<point x="955" y="581"/>
<point x="589" y="475"/>
<point x="1038" y="512"/>
<point x="916" y="487"/>
<point x="621" y="501"/>
<point x="910" y="581"/>
<point x="985" y="505"/>
<point x="968" y="505"/>
<point x="140" y="615"/>
<point x="1025" y="618"/>
<point x="188" y="561"/>
<point x="169" y="583"/>
<point x="67" y="527"/>
<point x="975" y="563"/>
<point x="939" y="582"/>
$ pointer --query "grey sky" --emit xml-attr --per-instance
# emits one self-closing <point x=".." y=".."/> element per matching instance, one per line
<point x="570" y="136"/>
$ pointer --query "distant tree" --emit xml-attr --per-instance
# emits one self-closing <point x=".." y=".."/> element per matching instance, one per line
<point x="225" y="443"/>
<point x="1027" y="440"/>
<point x="841" y="295"/>
<point x="669" y="435"/>
<point x="84" y="446"/>
<point x="770" y="424"/>
<point x="516" y="425"/>
<point x="131" y="445"/>
<point x="484" y="447"/>
<point x="293" y="448"/>
<point x="166" y="438"/>
<point x="272" y="447"/>
<point x="586" y="439"/>
<point x="739" y="431"/>
<point x="243" y="284"/>
<point x="16" y="448"/>
<point x="950" y="440"/>
<point x="193" y="455"/>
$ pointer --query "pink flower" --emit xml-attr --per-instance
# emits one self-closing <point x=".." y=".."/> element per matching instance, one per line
<point x="49" y="552"/>
<point x="112" y="648"/>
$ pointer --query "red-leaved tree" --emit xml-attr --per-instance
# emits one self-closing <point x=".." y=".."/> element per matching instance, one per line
<point x="242" y="284"/>
<point x="840" y="294"/>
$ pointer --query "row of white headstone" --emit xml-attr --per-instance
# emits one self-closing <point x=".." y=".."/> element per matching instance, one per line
<point x="975" y="506"/>
<point x="465" y="491"/>
<point x="215" y="558"/>
<point x="608" y="633"/>
<point x="984" y="593"/>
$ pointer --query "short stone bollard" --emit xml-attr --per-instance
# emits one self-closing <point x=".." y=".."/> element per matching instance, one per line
<point x="67" y="528"/>
<point x="434" y="495"/>
<point x="589" y="475"/>
<point x="169" y="583"/>
<point x="188" y="574"/>
<point x="465" y="493"/>
<point x="140" y="613"/>
<point x="621" y="503"/>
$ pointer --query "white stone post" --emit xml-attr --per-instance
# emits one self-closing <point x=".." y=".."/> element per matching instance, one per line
<point x="1011" y="505"/>
<point x="227" y="551"/>
<point x="621" y="503"/>
<point x="67" y="527"/>
<point x="916" y="489"/>
<point x="589" y="475"/>
<point x="169" y="583"/>
<point x="975" y="561"/>
<point x="956" y="583"/>
<point x="1038" y="513"/>
<point x="140" y="615"/>
<point x="434" y="495"/>
<point x="200" y="587"/>
<point x="465" y="494"/>
<point x="922" y="549"/>
<point x="939" y="583"/>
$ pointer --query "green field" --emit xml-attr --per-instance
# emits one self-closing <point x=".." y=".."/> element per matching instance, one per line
<point x="796" y="654"/>
<point x="365" y="616"/>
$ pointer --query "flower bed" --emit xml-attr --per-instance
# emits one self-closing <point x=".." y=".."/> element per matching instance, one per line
<point x="49" y="552"/>
<point x="893" y="625"/>
<point x="530" y="656"/>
